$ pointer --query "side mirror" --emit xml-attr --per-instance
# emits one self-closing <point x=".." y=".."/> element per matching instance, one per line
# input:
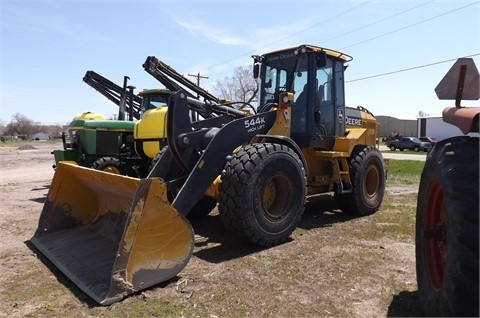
<point x="321" y="58"/>
<point x="256" y="70"/>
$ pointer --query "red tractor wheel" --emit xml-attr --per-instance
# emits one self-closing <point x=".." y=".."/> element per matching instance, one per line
<point x="446" y="238"/>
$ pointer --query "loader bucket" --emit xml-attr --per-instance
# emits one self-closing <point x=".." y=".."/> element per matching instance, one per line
<point x="111" y="235"/>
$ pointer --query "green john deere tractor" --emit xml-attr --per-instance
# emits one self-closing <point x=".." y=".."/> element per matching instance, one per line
<point x="121" y="146"/>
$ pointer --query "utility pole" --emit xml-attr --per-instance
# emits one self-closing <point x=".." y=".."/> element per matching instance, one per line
<point x="198" y="76"/>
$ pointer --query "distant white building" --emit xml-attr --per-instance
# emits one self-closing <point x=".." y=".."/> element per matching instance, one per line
<point x="40" y="136"/>
<point x="435" y="127"/>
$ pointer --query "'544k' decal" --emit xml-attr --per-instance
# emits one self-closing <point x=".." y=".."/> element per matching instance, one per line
<point x="254" y="124"/>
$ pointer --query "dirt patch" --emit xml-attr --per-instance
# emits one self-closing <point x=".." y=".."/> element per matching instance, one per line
<point x="402" y="190"/>
<point x="27" y="147"/>
<point x="335" y="265"/>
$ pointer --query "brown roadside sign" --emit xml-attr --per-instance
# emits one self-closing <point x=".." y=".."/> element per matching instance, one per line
<point x="460" y="82"/>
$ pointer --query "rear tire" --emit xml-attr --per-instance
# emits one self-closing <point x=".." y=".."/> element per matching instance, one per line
<point x="108" y="164"/>
<point x="367" y="174"/>
<point x="262" y="193"/>
<point x="446" y="234"/>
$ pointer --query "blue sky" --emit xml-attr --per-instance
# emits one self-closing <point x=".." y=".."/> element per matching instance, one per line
<point x="47" y="46"/>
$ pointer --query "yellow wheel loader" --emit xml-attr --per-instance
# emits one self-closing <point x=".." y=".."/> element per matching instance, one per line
<point x="114" y="235"/>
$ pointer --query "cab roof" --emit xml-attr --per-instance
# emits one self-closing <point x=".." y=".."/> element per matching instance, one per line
<point x="154" y="91"/>
<point x="313" y="48"/>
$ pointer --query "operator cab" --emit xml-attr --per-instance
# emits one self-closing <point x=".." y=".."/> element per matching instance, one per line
<point x="315" y="76"/>
<point x="153" y="98"/>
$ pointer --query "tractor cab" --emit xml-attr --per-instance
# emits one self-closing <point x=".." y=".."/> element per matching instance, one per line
<point x="149" y="132"/>
<point x="315" y="76"/>
<point x="153" y="98"/>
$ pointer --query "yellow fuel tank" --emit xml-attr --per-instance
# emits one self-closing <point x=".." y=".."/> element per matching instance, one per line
<point x="89" y="116"/>
<point x="150" y="132"/>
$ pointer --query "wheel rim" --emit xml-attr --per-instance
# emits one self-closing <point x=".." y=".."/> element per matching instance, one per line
<point x="435" y="236"/>
<point x="372" y="181"/>
<point x="111" y="169"/>
<point x="276" y="195"/>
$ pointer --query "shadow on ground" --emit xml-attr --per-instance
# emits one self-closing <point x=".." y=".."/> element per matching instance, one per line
<point x="323" y="211"/>
<point x="405" y="304"/>
<point x="43" y="198"/>
<point x="215" y="244"/>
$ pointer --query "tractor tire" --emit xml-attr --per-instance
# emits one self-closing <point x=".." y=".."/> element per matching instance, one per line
<point x="203" y="207"/>
<point x="108" y="164"/>
<point x="263" y="193"/>
<point x="446" y="234"/>
<point x="367" y="174"/>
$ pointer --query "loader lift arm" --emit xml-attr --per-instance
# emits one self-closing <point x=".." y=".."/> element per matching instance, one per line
<point x="201" y="153"/>
<point x="173" y="80"/>
<point x="115" y="93"/>
<point x="211" y="106"/>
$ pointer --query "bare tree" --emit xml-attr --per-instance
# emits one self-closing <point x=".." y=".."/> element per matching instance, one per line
<point x="241" y="87"/>
<point x="421" y="114"/>
<point x="20" y="125"/>
<point x="2" y="127"/>
<point x="56" y="130"/>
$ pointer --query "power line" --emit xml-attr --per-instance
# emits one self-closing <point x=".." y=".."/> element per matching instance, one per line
<point x="323" y="22"/>
<point x="300" y="31"/>
<point x="411" y="25"/>
<point x="379" y="21"/>
<point x="407" y="69"/>
<point x="198" y="76"/>
<point x="365" y="26"/>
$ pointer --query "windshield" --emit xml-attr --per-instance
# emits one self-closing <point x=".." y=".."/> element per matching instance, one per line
<point x="152" y="102"/>
<point x="282" y="72"/>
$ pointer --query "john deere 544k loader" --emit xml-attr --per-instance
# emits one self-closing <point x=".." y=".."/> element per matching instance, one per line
<point x="114" y="235"/>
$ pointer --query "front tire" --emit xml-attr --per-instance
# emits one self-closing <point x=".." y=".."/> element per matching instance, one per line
<point x="446" y="234"/>
<point x="367" y="174"/>
<point x="108" y="164"/>
<point x="262" y="194"/>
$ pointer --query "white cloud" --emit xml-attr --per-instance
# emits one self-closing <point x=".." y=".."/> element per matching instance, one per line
<point x="212" y="33"/>
<point x="49" y="18"/>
